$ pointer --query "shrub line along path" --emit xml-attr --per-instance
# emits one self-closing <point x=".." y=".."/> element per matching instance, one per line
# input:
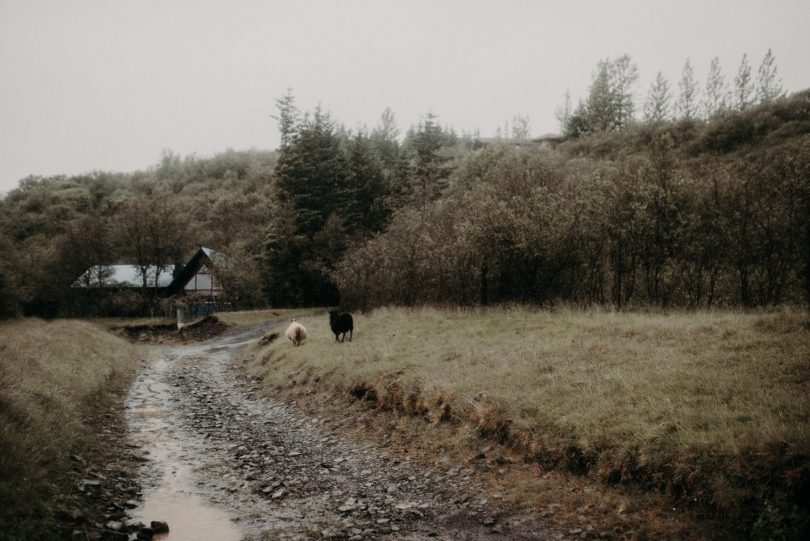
<point x="226" y="462"/>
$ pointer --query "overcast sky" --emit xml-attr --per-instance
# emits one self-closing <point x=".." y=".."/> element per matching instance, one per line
<point x="107" y="84"/>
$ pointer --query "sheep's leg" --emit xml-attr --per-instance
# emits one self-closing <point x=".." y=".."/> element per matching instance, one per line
<point x="351" y="332"/>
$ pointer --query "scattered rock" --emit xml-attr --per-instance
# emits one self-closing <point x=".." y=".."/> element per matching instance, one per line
<point x="114" y="525"/>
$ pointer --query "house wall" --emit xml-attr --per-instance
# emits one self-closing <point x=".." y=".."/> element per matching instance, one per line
<point x="204" y="283"/>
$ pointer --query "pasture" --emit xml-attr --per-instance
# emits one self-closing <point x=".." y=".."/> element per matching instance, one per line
<point x="708" y="406"/>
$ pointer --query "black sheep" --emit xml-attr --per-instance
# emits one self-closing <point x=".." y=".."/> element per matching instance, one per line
<point x="341" y="324"/>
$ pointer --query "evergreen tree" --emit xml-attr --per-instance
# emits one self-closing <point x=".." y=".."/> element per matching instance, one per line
<point x="311" y="171"/>
<point x="657" y="106"/>
<point x="623" y="78"/>
<point x="284" y="251"/>
<point x="363" y="206"/>
<point x="394" y="162"/>
<point x="687" y="106"/>
<point x="429" y="168"/>
<point x="288" y="117"/>
<point x="717" y="95"/>
<point x="601" y="104"/>
<point x="769" y="87"/>
<point x="578" y="123"/>
<point x="743" y="85"/>
<point x="610" y="105"/>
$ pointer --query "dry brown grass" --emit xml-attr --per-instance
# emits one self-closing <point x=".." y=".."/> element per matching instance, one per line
<point x="52" y="375"/>
<point x="711" y="407"/>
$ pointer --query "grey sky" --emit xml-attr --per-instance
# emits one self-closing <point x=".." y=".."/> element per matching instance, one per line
<point x="108" y="84"/>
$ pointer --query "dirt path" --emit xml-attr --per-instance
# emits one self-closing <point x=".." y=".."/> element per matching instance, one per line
<point x="227" y="463"/>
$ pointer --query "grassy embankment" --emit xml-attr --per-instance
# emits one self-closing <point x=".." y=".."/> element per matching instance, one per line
<point x="710" y="407"/>
<point x="53" y="377"/>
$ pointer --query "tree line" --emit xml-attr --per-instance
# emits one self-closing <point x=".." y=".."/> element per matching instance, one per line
<point x="283" y="218"/>
<point x="698" y="211"/>
<point x="610" y="103"/>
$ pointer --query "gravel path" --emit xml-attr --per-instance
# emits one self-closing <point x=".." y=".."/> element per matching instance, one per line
<point x="226" y="462"/>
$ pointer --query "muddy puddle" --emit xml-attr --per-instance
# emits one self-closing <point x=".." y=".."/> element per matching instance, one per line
<point x="170" y="488"/>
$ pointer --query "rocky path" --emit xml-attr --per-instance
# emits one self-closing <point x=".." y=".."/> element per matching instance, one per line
<point x="228" y="463"/>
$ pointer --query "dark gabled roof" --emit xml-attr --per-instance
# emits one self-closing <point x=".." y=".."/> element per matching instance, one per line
<point x="481" y="142"/>
<point x="203" y="256"/>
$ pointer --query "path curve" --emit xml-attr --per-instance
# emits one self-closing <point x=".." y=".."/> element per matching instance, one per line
<point x="226" y="462"/>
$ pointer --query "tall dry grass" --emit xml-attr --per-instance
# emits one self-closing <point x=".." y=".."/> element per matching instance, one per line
<point x="662" y="399"/>
<point x="52" y="376"/>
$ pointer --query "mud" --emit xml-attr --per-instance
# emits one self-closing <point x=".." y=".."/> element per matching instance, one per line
<point x="225" y="462"/>
<point x="205" y="328"/>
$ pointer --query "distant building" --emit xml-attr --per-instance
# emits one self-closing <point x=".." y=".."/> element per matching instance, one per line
<point x="118" y="290"/>
<point x="197" y="276"/>
<point x="549" y="140"/>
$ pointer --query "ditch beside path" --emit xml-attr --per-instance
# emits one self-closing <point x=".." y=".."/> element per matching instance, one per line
<point x="226" y="462"/>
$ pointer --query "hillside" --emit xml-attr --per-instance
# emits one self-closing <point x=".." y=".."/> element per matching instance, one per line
<point x="689" y="213"/>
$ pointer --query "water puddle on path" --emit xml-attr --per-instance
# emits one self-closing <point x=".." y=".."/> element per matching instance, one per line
<point x="170" y="492"/>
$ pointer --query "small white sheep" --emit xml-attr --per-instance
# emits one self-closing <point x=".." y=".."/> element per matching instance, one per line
<point x="296" y="332"/>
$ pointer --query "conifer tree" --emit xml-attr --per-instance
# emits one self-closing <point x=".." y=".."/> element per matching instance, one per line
<point x="769" y="87"/>
<point x="687" y="106"/>
<point x="312" y="171"/>
<point x="623" y="78"/>
<point x="363" y="206"/>
<point x="288" y="117"/>
<point x="717" y="94"/>
<point x="430" y="171"/>
<point x="601" y="105"/>
<point x="657" y="106"/>
<point x="743" y="85"/>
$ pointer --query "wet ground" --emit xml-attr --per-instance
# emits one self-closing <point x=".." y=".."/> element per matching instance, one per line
<point x="226" y="463"/>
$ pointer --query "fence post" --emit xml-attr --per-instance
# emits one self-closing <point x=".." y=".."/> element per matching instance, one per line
<point x="181" y="318"/>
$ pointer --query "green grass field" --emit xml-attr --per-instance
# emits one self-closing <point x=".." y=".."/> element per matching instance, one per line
<point x="52" y="377"/>
<point x="662" y="400"/>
